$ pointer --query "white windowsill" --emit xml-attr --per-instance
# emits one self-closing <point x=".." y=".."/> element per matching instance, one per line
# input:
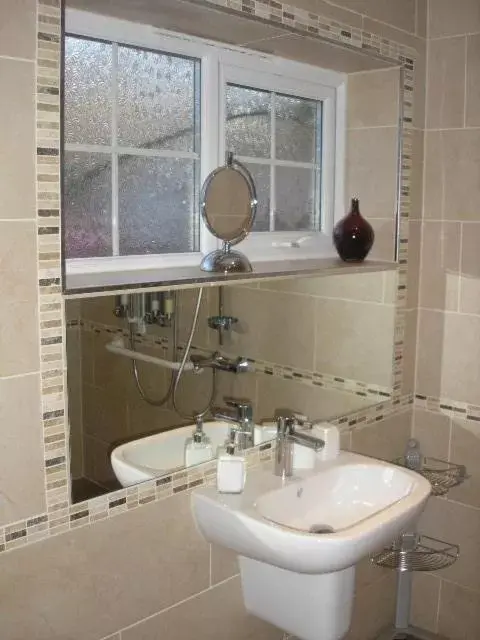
<point x="80" y="285"/>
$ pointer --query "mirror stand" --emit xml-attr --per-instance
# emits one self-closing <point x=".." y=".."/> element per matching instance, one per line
<point x="225" y="260"/>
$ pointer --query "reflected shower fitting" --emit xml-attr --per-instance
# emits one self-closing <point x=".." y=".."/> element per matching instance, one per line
<point x="146" y="308"/>
<point x="221" y="322"/>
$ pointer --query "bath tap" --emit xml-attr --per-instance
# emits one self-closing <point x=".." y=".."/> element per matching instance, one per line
<point x="221" y="363"/>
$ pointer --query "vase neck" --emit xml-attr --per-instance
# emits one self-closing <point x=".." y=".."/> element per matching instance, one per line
<point x="355" y="206"/>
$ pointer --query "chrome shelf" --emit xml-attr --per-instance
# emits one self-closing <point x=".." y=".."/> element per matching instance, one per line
<point x="429" y="554"/>
<point x="442" y="475"/>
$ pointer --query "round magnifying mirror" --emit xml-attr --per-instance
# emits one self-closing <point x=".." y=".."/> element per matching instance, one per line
<point x="228" y="206"/>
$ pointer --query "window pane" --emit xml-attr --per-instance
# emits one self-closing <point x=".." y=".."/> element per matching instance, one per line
<point x="295" y="129"/>
<point x="87" y="92"/>
<point x="247" y="126"/>
<point x="157" y="205"/>
<point x="87" y="204"/>
<point x="261" y="177"/>
<point x="156" y="108"/>
<point x="295" y="198"/>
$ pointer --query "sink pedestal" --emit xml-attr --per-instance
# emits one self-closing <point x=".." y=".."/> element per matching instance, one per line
<point x="311" y="607"/>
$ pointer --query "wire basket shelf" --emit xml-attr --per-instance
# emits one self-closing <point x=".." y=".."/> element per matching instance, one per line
<point x="442" y="475"/>
<point x="428" y="554"/>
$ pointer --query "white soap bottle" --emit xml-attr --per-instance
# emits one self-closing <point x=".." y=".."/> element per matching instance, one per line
<point x="198" y="447"/>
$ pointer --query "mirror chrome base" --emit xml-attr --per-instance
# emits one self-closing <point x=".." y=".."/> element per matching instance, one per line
<point x="221" y="261"/>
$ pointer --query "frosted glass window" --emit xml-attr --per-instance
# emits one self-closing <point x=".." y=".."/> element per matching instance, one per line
<point x="132" y="150"/>
<point x="87" y="204"/>
<point x="87" y="91"/>
<point x="278" y="137"/>
<point x="295" y="129"/>
<point x="295" y="199"/>
<point x="247" y="126"/>
<point x="156" y="205"/>
<point x="156" y="100"/>
<point x="261" y="177"/>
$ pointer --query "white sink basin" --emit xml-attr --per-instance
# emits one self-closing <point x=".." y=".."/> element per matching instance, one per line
<point x="162" y="453"/>
<point x="361" y="502"/>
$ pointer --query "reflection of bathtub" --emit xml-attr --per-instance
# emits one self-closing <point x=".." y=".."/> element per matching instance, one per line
<point x="156" y="455"/>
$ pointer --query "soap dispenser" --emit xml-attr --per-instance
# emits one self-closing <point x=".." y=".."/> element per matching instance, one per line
<point x="198" y="448"/>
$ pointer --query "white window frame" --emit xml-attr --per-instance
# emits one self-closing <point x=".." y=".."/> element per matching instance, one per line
<point x="221" y="64"/>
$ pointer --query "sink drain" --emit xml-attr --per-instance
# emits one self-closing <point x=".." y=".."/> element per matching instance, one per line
<point x="321" y="528"/>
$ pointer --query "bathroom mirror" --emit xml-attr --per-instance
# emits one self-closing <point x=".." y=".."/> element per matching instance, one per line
<point x="228" y="204"/>
<point x="323" y="346"/>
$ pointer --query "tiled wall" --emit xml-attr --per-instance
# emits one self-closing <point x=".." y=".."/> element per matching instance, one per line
<point x="448" y="370"/>
<point x="145" y="573"/>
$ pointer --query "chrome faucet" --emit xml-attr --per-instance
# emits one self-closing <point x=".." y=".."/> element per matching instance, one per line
<point x="288" y="423"/>
<point x="239" y="413"/>
<point x="221" y="363"/>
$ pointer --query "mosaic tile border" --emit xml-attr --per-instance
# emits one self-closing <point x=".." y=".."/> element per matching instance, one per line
<point x="60" y="515"/>
<point x="451" y="408"/>
<point x="315" y="378"/>
<point x="36" y="528"/>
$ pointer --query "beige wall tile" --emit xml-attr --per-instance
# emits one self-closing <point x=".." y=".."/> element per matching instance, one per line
<point x="472" y="113"/>
<point x="355" y="340"/>
<point x="368" y="287"/>
<point x="440" y="265"/>
<point x="328" y="10"/>
<point x="372" y="159"/>
<point x="425" y="595"/>
<point x="373" y="98"/>
<point x="446" y="83"/>
<point x="384" y="244"/>
<point x="385" y="439"/>
<point x="104" y="413"/>
<point x="432" y="430"/>
<point x="315" y="402"/>
<point x="454" y="169"/>
<point x="458" y="524"/>
<point x="434" y="177"/>
<point x="17" y="136"/>
<point x="459" y="607"/>
<point x="413" y="266"/>
<point x="210" y="616"/>
<point x="420" y="89"/>
<point x="470" y="259"/>
<point x="95" y="580"/>
<point x="21" y="451"/>
<point x="18" y="261"/>
<point x="448" y="358"/>
<point x="265" y="320"/>
<point x="421" y="18"/>
<point x="450" y="19"/>
<point x="430" y="352"/>
<point x="416" y="183"/>
<point x="18" y="338"/>
<point x="409" y="354"/>
<point x="96" y="462"/>
<point x="18" y="29"/>
<point x="401" y="15"/>
<point x="461" y="358"/>
<point x="465" y="449"/>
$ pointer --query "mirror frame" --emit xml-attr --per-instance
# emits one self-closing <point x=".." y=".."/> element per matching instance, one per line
<point x="60" y="514"/>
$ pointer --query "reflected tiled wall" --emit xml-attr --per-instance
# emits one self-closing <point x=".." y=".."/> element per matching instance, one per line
<point x="146" y="571"/>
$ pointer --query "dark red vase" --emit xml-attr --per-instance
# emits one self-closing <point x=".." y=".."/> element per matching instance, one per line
<point x="353" y="236"/>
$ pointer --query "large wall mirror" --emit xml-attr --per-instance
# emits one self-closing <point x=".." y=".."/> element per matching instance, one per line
<point x="132" y="170"/>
